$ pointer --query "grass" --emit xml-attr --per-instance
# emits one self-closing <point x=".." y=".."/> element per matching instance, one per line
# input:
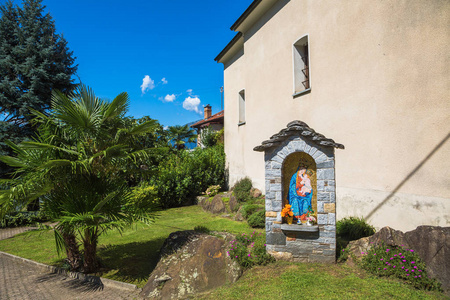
<point x="131" y="256"/>
<point x="282" y="280"/>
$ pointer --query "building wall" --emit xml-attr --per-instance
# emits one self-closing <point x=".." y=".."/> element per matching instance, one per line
<point x="380" y="85"/>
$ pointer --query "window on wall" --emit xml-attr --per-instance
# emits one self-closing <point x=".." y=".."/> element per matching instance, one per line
<point x="241" y="107"/>
<point x="302" y="82"/>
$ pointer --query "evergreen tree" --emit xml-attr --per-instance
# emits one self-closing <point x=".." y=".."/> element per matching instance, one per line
<point x="34" y="60"/>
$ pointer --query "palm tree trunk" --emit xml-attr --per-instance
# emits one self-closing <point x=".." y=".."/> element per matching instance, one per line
<point x="72" y="251"/>
<point x="90" y="240"/>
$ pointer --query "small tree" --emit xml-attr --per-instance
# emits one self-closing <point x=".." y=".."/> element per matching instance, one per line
<point x="180" y="135"/>
<point x="78" y="166"/>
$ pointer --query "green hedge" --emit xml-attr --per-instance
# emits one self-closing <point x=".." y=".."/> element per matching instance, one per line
<point x="185" y="175"/>
<point x="22" y="218"/>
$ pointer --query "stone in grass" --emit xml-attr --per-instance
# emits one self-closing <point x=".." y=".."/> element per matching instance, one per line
<point x="234" y="204"/>
<point x="239" y="216"/>
<point x="190" y="263"/>
<point x="215" y="206"/>
<point x="431" y="243"/>
<point x="255" y="193"/>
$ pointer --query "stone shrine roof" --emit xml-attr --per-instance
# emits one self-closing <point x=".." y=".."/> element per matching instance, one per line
<point x="297" y="128"/>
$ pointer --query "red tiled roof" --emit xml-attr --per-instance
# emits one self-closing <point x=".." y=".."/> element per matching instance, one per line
<point x="216" y="118"/>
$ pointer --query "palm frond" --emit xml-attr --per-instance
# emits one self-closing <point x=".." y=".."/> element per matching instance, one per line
<point x="118" y="107"/>
<point x="43" y="146"/>
<point x="145" y="127"/>
<point x="13" y="161"/>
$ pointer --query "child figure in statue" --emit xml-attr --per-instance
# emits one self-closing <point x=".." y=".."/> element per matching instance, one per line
<point x="300" y="192"/>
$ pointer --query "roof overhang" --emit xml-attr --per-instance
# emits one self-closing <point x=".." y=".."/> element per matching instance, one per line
<point x="231" y="48"/>
<point x="250" y="16"/>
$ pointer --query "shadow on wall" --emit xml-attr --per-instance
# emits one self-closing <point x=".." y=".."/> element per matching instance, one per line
<point x="417" y="168"/>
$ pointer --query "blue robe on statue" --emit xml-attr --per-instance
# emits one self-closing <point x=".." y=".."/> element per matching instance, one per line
<point x="300" y="204"/>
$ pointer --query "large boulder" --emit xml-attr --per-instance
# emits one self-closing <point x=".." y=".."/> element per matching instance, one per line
<point x="215" y="206"/>
<point x="431" y="243"/>
<point x="191" y="262"/>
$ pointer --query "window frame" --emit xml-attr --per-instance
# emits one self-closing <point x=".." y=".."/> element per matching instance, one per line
<point x="296" y="68"/>
<point x="241" y="107"/>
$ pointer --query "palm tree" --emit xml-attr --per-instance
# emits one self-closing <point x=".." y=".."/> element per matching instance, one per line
<point x="78" y="166"/>
<point x="181" y="135"/>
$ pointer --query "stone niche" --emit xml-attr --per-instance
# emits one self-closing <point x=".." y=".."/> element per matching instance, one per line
<point x="299" y="164"/>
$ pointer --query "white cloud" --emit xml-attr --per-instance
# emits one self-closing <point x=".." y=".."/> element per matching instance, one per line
<point x="147" y="84"/>
<point x="170" y="98"/>
<point x="164" y="80"/>
<point x="189" y="91"/>
<point x="191" y="104"/>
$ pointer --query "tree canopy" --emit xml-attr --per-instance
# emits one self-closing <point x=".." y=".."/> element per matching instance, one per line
<point x="78" y="166"/>
<point x="34" y="60"/>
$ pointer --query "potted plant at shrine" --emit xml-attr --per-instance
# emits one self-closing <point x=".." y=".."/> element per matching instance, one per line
<point x="310" y="218"/>
<point x="287" y="214"/>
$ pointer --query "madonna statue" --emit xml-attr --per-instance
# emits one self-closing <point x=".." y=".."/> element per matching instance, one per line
<point x="300" y="192"/>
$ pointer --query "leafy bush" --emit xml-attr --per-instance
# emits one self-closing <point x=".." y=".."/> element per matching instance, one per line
<point x="185" y="175"/>
<point x="353" y="228"/>
<point x="146" y="191"/>
<point x="257" y="220"/>
<point x="202" y="229"/>
<point x="212" y="190"/>
<point x="401" y="263"/>
<point x="242" y="189"/>
<point x="249" y="250"/>
<point x="249" y="209"/>
<point x="210" y="137"/>
<point x="23" y="218"/>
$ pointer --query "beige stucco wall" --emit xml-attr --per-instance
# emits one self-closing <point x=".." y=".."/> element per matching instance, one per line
<point x="380" y="85"/>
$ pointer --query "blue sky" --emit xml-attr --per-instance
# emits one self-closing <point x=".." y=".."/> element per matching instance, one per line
<point x="174" y="42"/>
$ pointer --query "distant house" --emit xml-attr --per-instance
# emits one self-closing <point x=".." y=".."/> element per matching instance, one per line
<point x="214" y="122"/>
<point x="373" y="75"/>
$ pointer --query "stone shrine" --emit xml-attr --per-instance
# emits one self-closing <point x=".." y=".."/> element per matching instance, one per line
<point x="299" y="165"/>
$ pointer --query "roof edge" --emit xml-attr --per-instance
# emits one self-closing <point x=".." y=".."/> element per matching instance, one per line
<point x="228" y="47"/>
<point x="300" y="129"/>
<point x="245" y="14"/>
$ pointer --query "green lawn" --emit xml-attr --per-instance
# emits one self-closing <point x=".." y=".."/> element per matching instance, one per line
<point x="132" y="256"/>
<point x="129" y="257"/>
<point x="282" y="280"/>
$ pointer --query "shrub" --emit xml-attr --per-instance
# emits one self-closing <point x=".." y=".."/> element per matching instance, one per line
<point x="249" y="250"/>
<point x="400" y="263"/>
<point x="208" y="137"/>
<point x="242" y="189"/>
<point x="249" y="209"/>
<point x="353" y="228"/>
<point x="202" y="229"/>
<point x="145" y="191"/>
<point x="257" y="220"/>
<point x="23" y="218"/>
<point x="212" y="190"/>
<point x="185" y="175"/>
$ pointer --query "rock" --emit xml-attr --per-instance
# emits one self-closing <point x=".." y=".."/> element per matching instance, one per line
<point x="200" y="199"/>
<point x="239" y="216"/>
<point x="255" y="193"/>
<point x="217" y="205"/>
<point x="431" y="243"/>
<point x="191" y="262"/>
<point x="234" y="204"/>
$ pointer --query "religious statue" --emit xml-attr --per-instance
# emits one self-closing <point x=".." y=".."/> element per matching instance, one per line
<point x="300" y="192"/>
